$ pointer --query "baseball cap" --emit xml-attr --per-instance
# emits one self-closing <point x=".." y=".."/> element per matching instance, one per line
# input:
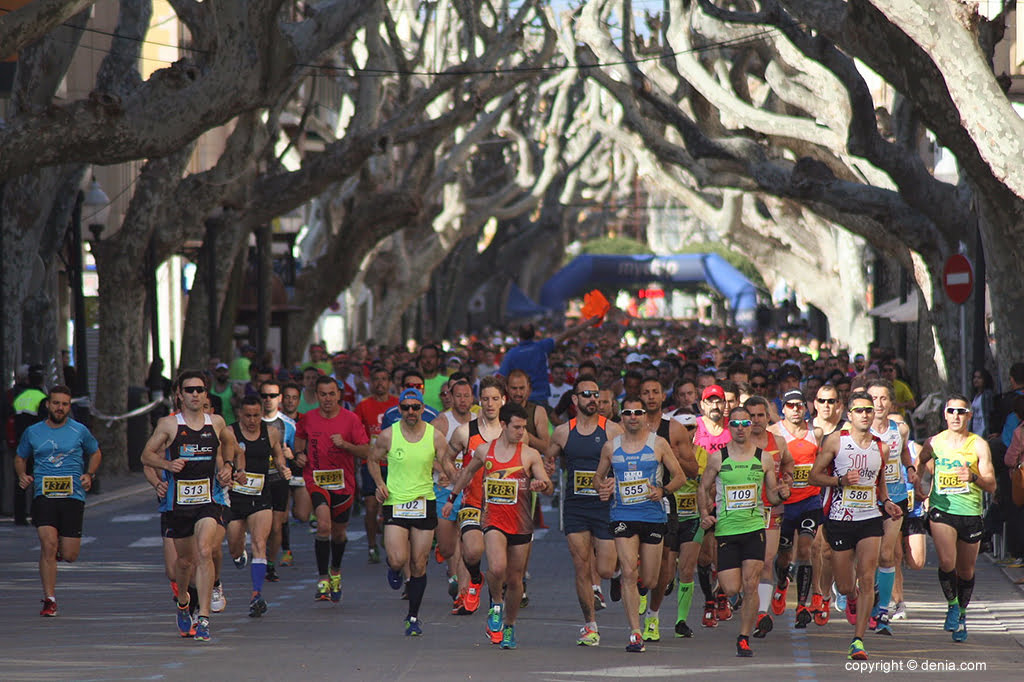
<point x="793" y="396"/>
<point x="221" y="365"/>
<point x="634" y="357"/>
<point x="411" y="393"/>
<point x="713" y="391"/>
<point x="685" y="419"/>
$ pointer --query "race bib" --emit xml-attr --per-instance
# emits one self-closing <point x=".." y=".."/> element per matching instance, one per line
<point x="468" y="516"/>
<point x="634" y="492"/>
<point x="253" y="484"/>
<point x="892" y="471"/>
<point x="859" y="496"/>
<point x="58" y="486"/>
<point x="415" y="509"/>
<point x="686" y="503"/>
<point x="330" y="479"/>
<point x="801" y="475"/>
<point x="740" y="497"/>
<point x="192" y="492"/>
<point x="501" y="490"/>
<point x="583" y="483"/>
<point x="910" y="498"/>
<point x="949" y="483"/>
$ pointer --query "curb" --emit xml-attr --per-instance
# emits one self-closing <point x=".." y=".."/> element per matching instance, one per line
<point x="119" y="495"/>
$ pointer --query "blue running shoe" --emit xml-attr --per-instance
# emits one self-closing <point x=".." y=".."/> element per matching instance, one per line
<point x="508" y="637"/>
<point x="203" y="629"/>
<point x="258" y="606"/>
<point x="412" y="627"/>
<point x="185" y="622"/>
<point x="335" y="587"/>
<point x="952" y="618"/>
<point x="394" y="578"/>
<point x="840" y="603"/>
<point x="960" y="634"/>
<point x="494" y="623"/>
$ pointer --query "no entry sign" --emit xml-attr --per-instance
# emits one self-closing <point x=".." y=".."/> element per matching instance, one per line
<point x="958" y="278"/>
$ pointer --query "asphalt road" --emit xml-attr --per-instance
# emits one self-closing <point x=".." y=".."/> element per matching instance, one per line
<point x="116" y="622"/>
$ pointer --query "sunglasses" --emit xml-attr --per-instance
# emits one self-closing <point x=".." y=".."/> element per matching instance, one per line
<point x="740" y="422"/>
<point x="267" y="396"/>
<point x="794" y="406"/>
<point x="418" y="387"/>
<point x="193" y="389"/>
<point x="588" y="394"/>
<point x="957" y="410"/>
<point x="827" y="401"/>
<point x="862" y="410"/>
<point x="758" y="385"/>
<point x="416" y="407"/>
<point x="634" y="413"/>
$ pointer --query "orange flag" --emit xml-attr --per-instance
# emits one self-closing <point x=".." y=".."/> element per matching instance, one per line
<point x="595" y="305"/>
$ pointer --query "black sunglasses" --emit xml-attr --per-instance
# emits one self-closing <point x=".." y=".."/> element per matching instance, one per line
<point x="193" y="389"/>
<point x="827" y="401"/>
<point x="266" y="396"/>
<point x="416" y="407"/>
<point x="588" y="393"/>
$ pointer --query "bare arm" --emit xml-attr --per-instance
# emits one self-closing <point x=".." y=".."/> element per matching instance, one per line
<point x="153" y="452"/>
<point x="604" y="484"/>
<point x="683" y="448"/>
<point x="986" y="474"/>
<point x="535" y="465"/>
<point x="669" y="458"/>
<point x="826" y="455"/>
<point x="378" y="452"/>
<point x="707" y="482"/>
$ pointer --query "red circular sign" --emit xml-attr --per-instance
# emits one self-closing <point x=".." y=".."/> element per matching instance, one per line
<point x="958" y="278"/>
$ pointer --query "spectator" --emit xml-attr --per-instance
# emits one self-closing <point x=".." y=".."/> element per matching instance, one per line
<point x="531" y="356"/>
<point x="982" y="402"/>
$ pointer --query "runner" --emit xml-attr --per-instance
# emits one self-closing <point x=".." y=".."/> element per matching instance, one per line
<point x="334" y="437"/>
<point x="512" y="471"/>
<point x="631" y="466"/>
<point x="712" y="435"/>
<point x="200" y="456"/>
<point x="371" y="412"/>
<point x="412" y="448"/>
<point x="828" y="416"/>
<point x="66" y="458"/>
<point x="851" y="467"/>
<point x="961" y="466"/>
<point x="252" y="501"/>
<point x="276" y="481"/>
<point x="447" y="532"/>
<point x="302" y="506"/>
<point x="737" y="477"/>
<point x="915" y="536"/>
<point x="585" y="517"/>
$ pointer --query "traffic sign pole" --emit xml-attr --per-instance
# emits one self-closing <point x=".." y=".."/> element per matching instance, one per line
<point x="958" y="281"/>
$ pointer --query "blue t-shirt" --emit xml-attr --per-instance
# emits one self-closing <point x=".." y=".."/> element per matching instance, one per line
<point x="60" y="453"/>
<point x="532" y="358"/>
<point x="393" y="414"/>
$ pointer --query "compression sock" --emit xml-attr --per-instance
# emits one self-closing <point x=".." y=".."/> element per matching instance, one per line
<point x="684" y="597"/>
<point x="781" y="572"/>
<point x="965" y="588"/>
<point x="474" y="571"/>
<point x="948" y="582"/>
<point x="884" y="579"/>
<point x="803" y="581"/>
<point x="417" y="586"/>
<point x="704" y="577"/>
<point x="258" y="571"/>
<point x="286" y="543"/>
<point x="337" y="550"/>
<point x="322" y="547"/>
<point x="764" y="597"/>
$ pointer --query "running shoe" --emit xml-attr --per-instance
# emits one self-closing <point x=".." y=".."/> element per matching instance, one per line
<point x="709" y="620"/>
<point x="636" y="644"/>
<point x="643" y="604"/>
<point x="494" y="623"/>
<point x="882" y="624"/>
<point x="821" y="617"/>
<point x="599" y="602"/>
<point x="524" y="601"/>
<point x="405" y="591"/>
<point x="683" y="630"/>
<point x="952" y="618"/>
<point x="960" y="634"/>
<point x="323" y="590"/>
<point x="174" y="590"/>
<point x="764" y="626"/>
<point x="241" y="561"/>
<point x="588" y="637"/>
<point x="616" y="587"/>
<point x="508" y="637"/>
<point x="851" y="611"/>
<point x="458" y="607"/>
<point x="735" y="601"/>
<point x="779" y="598"/>
<point x="803" y="617"/>
<point x="373" y="555"/>
<point x="671" y="586"/>
<point x="815" y="606"/>
<point x="335" y="587"/>
<point x="724" y="610"/>
<point x="185" y="626"/>
<point x="437" y="555"/>
<point x="271" y="576"/>
<point x="471" y="602"/>
<point x="217" y="599"/>
<point x="873" y="618"/>
<point x="394" y="578"/>
<point x="202" y="629"/>
<point x="857" y="652"/>
<point x="899" y="612"/>
<point x="652" y="631"/>
<point x="258" y="606"/>
<point x="743" y="647"/>
<point x="412" y="627"/>
<point x="50" y="608"/>
<point x="453" y="586"/>
<point x="841" y="603"/>
<point x="287" y="558"/>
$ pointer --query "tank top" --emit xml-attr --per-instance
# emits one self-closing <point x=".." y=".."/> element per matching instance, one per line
<point x="707" y="441"/>
<point x="915" y="503"/>
<point x="410" y="465"/>
<point x="531" y="416"/>
<point x="196" y="484"/>
<point x="669" y="501"/>
<point x="686" y="497"/>
<point x="285" y="427"/>
<point x="894" y="477"/>
<point x="507" y="494"/>
<point x="472" y="496"/>
<point x="257" y="462"/>
<point x="635" y="474"/>
<point x="582" y="454"/>
<point x="738" y="490"/>
<point x="804" y="451"/>
<point x="949" y="494"/>
<point x="854" y="502"/>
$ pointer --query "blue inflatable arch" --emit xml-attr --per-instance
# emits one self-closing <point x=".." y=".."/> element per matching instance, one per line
<point x="586" y="272"/>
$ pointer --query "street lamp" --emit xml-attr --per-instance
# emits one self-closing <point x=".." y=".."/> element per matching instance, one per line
<point x="96" y="207"/>
<point x="92" y="205"/>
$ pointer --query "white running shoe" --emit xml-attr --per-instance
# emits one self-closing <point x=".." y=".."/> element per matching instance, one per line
<point x="218" y="601"/>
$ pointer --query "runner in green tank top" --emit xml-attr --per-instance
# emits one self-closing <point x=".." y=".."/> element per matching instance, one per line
<point x="735" y="477"/>
<point x="960" y="464"/>
<point x="411" y="447"/>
